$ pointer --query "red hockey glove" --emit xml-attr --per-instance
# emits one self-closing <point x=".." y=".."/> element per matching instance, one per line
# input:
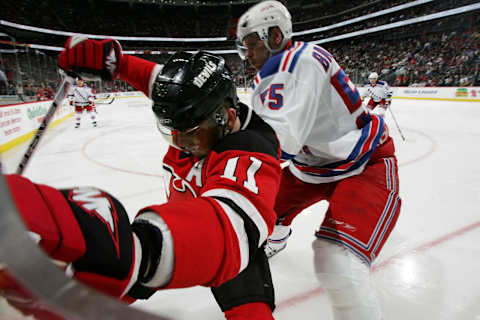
<point x="91" y="59"/>
<point x="83" y="226"/>
<point x="94" y="59"/>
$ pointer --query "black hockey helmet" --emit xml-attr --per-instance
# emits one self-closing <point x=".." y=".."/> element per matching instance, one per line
<point x="190" y="88"/>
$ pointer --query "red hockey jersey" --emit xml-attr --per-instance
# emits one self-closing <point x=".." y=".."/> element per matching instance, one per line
<point x="234" y="189"/>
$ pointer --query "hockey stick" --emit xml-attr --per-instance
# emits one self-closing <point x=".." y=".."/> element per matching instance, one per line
<point x="60" y="94"/>
<point x="396" y="123"/>
<point x="108" y="102"/>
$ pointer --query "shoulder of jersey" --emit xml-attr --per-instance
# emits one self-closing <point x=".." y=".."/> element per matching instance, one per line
<point x="381" y="82"/>
<point x="299" y="53"/>
<point x="284" y="61"/>
<point x="258" y="137"/>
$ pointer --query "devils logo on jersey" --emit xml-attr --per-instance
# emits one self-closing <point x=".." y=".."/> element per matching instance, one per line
<point x="177" y="187"/>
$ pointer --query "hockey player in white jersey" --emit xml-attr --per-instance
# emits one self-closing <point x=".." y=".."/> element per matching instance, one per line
<point x="339" y="152"/>
<point x="82" y="98"/>
<point x="378" y="93"/>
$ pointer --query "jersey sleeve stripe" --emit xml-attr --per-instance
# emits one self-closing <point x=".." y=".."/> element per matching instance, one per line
<point x="255" y="81"/>
<point x="287" y="56"/>
<point x="246" y="206"/>
<point x="287" y="156"/>
<point x="238" y="226"/>
<point x="295" y="57"/>
<point x="360" y="154"/>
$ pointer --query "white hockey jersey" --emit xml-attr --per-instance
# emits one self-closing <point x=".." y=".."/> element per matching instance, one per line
<point x="317" y="114"/>
<point x="379" y="91"/>
<point x="81" y="96"/>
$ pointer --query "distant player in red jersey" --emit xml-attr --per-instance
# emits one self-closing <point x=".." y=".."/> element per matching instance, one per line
<point x="223" y="172"/>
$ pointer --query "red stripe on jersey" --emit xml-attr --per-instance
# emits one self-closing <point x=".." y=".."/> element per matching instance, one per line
<point x="367" y="146"/>
<point x="286" y="61"/>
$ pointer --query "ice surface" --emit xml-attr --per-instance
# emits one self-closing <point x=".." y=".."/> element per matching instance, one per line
<point x="427" y="270"/>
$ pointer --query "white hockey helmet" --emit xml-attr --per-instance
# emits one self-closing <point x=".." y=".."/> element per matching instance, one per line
<point x="373" y="75"/>
<point x="259" y="19"/>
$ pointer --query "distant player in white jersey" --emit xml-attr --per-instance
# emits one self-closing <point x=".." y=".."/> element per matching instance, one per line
<point x="379" y="94"/>
<point x="82" y="98"/>
<point x="339" y="152"/>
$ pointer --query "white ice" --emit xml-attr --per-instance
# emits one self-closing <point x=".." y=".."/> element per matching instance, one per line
<point x="428" y="269"/>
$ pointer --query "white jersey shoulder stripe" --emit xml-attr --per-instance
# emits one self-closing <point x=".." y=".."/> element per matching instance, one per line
<point x="246" y="206"/>
<point x="239" y="228"/>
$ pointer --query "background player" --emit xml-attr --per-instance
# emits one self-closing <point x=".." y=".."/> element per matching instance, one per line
<point x="82" y="98"/>
<point x="379" y="93"/>
<point x="338" y="152"/>
<point x="224" y="173"/>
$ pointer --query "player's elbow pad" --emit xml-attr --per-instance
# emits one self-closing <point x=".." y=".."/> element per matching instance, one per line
<point x="83" y="226"/>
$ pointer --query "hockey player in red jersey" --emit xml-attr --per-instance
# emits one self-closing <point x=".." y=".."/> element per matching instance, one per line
<point x="224" y="171"/>
<point x="339" y="152"/>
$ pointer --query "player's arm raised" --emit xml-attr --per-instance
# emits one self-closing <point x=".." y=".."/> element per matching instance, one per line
<point x="104" y="59"/>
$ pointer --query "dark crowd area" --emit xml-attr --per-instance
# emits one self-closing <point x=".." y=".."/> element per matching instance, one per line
<point x="439" y="52"/>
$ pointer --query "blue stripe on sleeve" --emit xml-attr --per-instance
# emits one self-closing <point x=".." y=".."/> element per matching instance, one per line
<point x="287" y="156"/>
<point x="271" y="66"/>
<point x="295" y="57"/>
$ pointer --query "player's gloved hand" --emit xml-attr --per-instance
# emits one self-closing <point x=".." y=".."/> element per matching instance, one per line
<point x="91" y="59"/>
<point x="86" y="227"/>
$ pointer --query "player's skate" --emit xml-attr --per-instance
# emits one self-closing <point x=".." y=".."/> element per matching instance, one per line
<point x="77" y="125"/>
<point x="94" y="123"/>
<point x="278" y="240"/>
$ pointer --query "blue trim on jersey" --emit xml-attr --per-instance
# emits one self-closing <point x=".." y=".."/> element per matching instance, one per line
<point x="356" y="150"/>
<point x="296" y="56"/>
<point x="287" y="156"/>
<point x="353" y="155"/>
<point x="387" y="225"/>
<point x="358" y="146"/>
<point x="381" y="82"/>
<point x="272" y="65"/>
<point x="346" y="244"/>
